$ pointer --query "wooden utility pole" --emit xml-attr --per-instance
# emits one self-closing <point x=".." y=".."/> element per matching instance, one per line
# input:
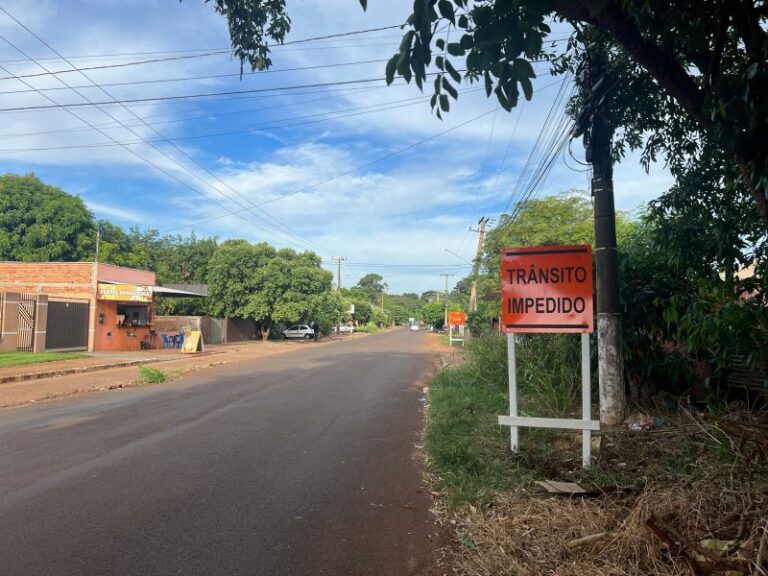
<point x="598" y="138"/>
<point x="445" y="321"/>
<point x="476" y="265"/>
<point x="338" y="260"/>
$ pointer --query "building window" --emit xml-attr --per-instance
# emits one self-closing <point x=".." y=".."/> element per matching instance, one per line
<point x="133" y="315"/>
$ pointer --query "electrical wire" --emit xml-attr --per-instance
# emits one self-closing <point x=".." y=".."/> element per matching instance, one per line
<point x="351" y="171"/>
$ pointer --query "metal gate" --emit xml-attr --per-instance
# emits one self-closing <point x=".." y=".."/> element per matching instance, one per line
<point x="26" y="335"/>
<point x="217" y="330"/>
<point x="67" y="327"/>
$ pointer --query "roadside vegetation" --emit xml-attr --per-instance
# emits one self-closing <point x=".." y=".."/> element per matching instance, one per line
<point x="8" y="359"/>
<point x="149" y="375"/>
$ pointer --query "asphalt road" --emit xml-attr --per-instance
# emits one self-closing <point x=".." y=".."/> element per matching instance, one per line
<point x="298" y="464"/>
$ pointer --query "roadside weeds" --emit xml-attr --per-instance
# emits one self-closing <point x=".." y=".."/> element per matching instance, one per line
<point x="690" y="497"/>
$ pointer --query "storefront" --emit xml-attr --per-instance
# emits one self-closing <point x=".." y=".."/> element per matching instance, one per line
<point x="120" y="300"/>
<point x="125" y="316"/>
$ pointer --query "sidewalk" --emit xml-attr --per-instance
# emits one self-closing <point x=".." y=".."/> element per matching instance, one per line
<point x="107" y="371"/>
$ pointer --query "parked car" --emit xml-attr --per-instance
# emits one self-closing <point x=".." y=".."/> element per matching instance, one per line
<point x="299" y="331"/>
<point x="344" y="328"/>
<point x="414" y="327"/>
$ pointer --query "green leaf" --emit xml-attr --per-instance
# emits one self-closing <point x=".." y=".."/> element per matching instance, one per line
<point x="433" y="101"/>
<point x="439" y="62"/>
<point x="467" y="41"/>
<point x="452" y="71"/>
<point x="488" y="83"/>
<point x="450" y="89"/>
<point x="527" y="87"/>
<point x="523" y="68"/>
<point x="455" y="49"/>
<point x="463" y="21"/>
<point x="364" y="4"/>
<point x="438" y="83"/>
<point x="446" y="10"/>
<point x="391" y="68"/>
<point x="445" y="105"/>
<point x="440" y="43"/>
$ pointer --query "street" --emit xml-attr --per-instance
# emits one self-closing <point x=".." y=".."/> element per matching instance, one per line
<point x="302" y="463"/>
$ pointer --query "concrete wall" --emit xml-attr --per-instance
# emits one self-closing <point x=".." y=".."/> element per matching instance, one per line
<point x="52" y="278"/>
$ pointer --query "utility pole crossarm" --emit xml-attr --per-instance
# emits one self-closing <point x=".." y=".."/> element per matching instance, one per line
<point x="476" y="265"/>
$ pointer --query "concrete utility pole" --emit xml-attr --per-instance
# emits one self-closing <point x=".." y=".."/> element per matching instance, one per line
<point x="338" y="260"/>
<point x="598" y="138"/>
<point x="445" y="321"/>
<point x="476" y="265"/>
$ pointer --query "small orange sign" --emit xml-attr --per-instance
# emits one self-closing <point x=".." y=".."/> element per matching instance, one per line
<point x="547" y="289"/>
<point x="457" y="318"/>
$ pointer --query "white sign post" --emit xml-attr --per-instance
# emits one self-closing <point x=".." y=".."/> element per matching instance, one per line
<point x="548" y="289"/>
<point x="585" y="424"/>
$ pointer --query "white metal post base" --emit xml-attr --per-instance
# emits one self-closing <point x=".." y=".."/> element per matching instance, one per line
<point x="586" y="424"/>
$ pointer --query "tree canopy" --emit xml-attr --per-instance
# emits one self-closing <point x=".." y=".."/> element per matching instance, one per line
<point x="42" y="223"/>
<point x="706" y="59"/>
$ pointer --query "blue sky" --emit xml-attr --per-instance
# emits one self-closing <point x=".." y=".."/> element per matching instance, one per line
<point x="328" y="168"/>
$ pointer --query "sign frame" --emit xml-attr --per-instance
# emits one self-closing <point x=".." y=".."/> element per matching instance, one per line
<point x="547" y="289"/>
<point x="452" y="317"/>
<point x="580" y="323"/>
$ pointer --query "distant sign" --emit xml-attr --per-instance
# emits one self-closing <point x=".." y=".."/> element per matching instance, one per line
<point x="547" y="289"/>
<point x="193" y="342"/>
<point x="457" y="318"/>
<point x="124" y="292"/>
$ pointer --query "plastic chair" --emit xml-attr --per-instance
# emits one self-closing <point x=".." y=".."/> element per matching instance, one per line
<point x="166" y="340"/>
<point x="180" y="340"/>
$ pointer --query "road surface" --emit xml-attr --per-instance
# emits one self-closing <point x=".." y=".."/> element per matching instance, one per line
<point x="297" y="464"/>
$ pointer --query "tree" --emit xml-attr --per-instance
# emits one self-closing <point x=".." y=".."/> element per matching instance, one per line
<point x="41" y="223"/>
<point x="233" y="277"/>
<point x="371" y="286"/>
<point x="433" y="314"/>
<point x="710" y="57"/>
<point x="288" y="289"/>
<point x="562" y="219"/>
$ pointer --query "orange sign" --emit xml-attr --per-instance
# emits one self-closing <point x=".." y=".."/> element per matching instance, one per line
<point x="457" y="318"/>
<point x="547" y="289"/>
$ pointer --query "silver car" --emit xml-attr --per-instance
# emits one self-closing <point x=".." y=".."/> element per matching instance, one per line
<point x="299" y="331"/>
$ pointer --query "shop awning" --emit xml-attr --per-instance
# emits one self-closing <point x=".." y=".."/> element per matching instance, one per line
<point x="174" y="293"/>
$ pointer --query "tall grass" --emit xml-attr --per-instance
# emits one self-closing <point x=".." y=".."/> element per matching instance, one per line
<point x="466" y="447"/>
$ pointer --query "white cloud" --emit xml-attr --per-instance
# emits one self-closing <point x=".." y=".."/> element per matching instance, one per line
<point x="399" y="209"/>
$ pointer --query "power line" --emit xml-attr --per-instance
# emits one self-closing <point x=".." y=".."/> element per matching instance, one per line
<point x="351" y="171"/>
<point x="208" y="77"/>
<point x="181" y="151"/>
<point x="131" y="151"/>
<point x="199" y="95"/>
<point x="278" y="123"/>
<point x="185" y="57"/>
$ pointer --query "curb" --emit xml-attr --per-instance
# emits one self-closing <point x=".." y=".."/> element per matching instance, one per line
<point x="80" y="370"/>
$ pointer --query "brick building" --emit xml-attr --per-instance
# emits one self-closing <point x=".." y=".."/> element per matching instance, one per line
<point x="99" y="307"/>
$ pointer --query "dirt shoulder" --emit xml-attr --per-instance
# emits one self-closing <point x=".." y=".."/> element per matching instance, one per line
<point x="107" y="372"/>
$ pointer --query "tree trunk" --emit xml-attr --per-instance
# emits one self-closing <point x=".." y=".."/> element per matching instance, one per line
<point x="265" y="327"/>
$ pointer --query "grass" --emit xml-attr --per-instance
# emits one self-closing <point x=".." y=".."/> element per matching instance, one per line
<point x="149" y="375"/>
<point x="370" y="328"/>
<point x="468" y="450"/>
<point x="8" y="359"/>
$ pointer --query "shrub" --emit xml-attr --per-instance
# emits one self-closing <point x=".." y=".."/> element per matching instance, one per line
<point x="371" y="328"/>
<point x="151" y="375"/>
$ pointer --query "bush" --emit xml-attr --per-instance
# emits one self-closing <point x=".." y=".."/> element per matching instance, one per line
<point x="151" y="375"/>
<point x="370" y="328"/>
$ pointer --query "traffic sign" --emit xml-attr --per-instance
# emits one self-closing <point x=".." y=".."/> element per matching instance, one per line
<point x="457" y="318"/>
<point x="547" y="289"/>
